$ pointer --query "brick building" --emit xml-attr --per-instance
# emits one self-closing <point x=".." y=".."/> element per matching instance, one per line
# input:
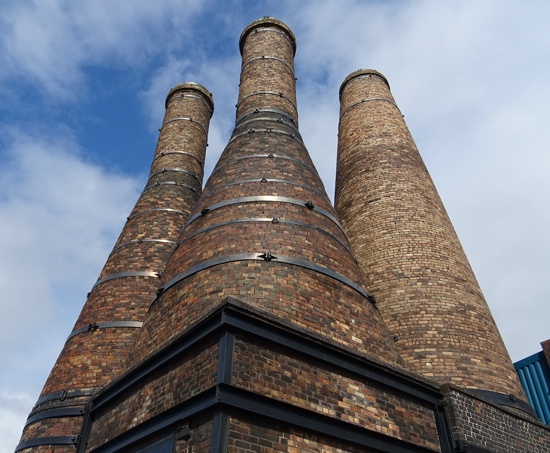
<point x="252" y="315"/>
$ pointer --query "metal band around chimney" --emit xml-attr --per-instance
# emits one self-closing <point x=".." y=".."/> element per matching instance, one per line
<point x="170" y="183"/>
<point x="182" y="118"/>
<point x="263" y="120"/>
<point x="362" y="101"/>
<point x="279" y="32"/>
<point x="270" y="220"/>
<point x="140" y="241"/>
<point x="60" y="412"/>
<point x="127" y="274"/>
<point x="176" y="211"/>
<point x="296" y="137"/>
<point x="64" y="394"/>
<point x="273" y="259"/>
<point x="270" y="93"/>
<point x="53" y="440"/>
<point x="106" y="325"/>
<point x="260" y="198"/>
<point x="184" y="153"/>
<point x="179" y="170"/>
<point x="255" y="111"/>
<point x="261" y="156"/>
<point x="189" y="96"/>
<point x="266" y="180"/>
<point x="267" y="57"/>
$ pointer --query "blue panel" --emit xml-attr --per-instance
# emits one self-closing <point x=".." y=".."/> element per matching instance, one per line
<point x="534" y="375"/>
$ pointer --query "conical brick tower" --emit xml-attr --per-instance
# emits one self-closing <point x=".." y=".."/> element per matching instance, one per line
<point x="408" y="250"/>
<point x="117" y="305"/>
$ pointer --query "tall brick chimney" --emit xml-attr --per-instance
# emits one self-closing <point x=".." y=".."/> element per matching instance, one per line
<point x="117" y="305"/>
<point x="407" y="248"/>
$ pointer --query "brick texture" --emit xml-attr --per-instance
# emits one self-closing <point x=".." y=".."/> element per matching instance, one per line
<point x="407" y="249"/>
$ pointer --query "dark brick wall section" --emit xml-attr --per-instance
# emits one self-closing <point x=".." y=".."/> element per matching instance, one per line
<point x="92" y="358"/>
<point x="285" y="376"/>
<point x="407" y="249"/>
<point x="477" y="423"/>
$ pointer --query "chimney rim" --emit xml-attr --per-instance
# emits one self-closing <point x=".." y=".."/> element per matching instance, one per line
<point x="191" y="86"/>
<point x="267" y="20"/>
<point x="359" y="73"/>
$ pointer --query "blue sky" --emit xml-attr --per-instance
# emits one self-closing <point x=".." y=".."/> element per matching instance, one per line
<point x="82" y="89"/>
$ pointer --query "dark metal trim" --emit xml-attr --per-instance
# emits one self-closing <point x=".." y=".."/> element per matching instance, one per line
<point x="106" y="325"/>
<point x="277" y="112"/>
<point x="271" y="93"/>
<point x="55" y="413"/>
<point x="504" y="400"/>
<point x="182" y="118"/>
<point x="139" y="241"/>
<point x="269" y="130"/>
<point x="463" y="446"/>
<point x="176" y="211"/>
<point x="362" y="101"/>
<point x="264" y="120"/>
<point x="258" y="256"/>
<point x="270" y="220"/>
<point x="170" y="183"/>
<point x="263" y="406"/>
<point x="64" y="394"/>
<point x="189" y="96"/>
<point x="186" y="153"/>
<point x="54" y="440"/>
<point x="260" y="198"/>
<point x="225" y="357"/>
<point x="261" y="156"/>
<point x="220" y="430"/>
<point x="179" y="170"/>
<point x="267" y="57"/>
<point x="264" y="180"/>
<point x="127" y="274"/>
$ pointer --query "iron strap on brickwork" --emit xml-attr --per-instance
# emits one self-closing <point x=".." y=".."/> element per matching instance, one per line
<point x="257" y="110"/>
<point x="64" y="394"/>
<point x="266" y="256"/>
<point x="362" y="101"/>
<point x="173" y="120"/>
<point x="261" y="156"/>
<point x="106" y="325"/>
<point x="140" y="241"/>
<point x="61" y="412"/>
<point x="52" y="440"/>
<point x="145" y="211"/>
<point x="185" y="153"/>
<point x="127" y="274"/>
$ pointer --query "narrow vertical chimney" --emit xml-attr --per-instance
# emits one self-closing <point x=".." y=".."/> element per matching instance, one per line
<point x="407" y="249"/>
<point x="116" y="306"/>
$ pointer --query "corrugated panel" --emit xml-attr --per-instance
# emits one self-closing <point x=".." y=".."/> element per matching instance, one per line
<point x="535" y="377"/>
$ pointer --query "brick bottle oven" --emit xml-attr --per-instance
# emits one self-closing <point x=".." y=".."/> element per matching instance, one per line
<point x="239" y="318"/>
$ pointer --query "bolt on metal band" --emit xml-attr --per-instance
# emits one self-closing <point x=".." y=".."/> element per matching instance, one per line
<point x="297" y="137"/>
<point x="64" y="394"/>
<point x="53" y="440"/>
<point x="362" y="101"/>
<point x="266" y="180"/>
<point x="170" y="183"/>
<point x="273" y="198"/>
<point x="106" y="325"/>
<point x="139" y="241"/>
<point x="278" y="112"/>
<point x="268" y="257"/>
<point x="270" y="220"/>
<point x="270" y="93"/>
<point x="180" y="170"/>
<point x="260" y="156"/>
<point x="55" y="413"/>
<point x="279" y="120"/>
<point x="182" y="118"/>
<point x="127" y="274"/>
<point x="176" y="211"/>
<point x="185" y="153"/>
<point x="266" y="57"/>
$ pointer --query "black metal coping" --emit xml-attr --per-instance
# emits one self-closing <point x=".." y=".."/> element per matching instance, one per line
<point x="270" y="220"/>
<point x="223" y="323"/>
<point x="61" y="412"/>
<point x="173" y="120"/>
<point x="186" y="153"/>
<point x="260" y="198"/>
<point x="266" y="180"/>
<point x="266" y="256"/>
<point x="106" y="325"/>
<point x="127" y="274"/>
<point x="64" y="394"/>
<point x="362" y="101"/>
